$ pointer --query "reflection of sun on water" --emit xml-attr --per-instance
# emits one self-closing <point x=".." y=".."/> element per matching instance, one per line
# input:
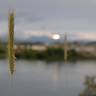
<point x="55" y="36"/>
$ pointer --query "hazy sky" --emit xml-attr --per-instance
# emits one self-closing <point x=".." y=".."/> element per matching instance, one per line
<point x="43" y="17"/>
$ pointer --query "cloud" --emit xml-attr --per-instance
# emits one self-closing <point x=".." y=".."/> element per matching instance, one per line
<point x="45" y="17"/>
<point x="86" y="36"/>
<point x="26" y="30"/>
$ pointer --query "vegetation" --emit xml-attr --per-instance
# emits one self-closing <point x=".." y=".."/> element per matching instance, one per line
<point x="90" y="86"/>
<point x="51" y="54"/>
<point x="11" y="55"/>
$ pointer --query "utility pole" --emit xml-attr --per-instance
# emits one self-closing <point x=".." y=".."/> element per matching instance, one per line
<point x="65" y="48"/>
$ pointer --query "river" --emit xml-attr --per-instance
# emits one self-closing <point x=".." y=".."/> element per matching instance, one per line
<point x="39" y="78"/>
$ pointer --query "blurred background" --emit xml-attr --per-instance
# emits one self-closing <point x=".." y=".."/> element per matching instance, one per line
<point x="55" y="48"/>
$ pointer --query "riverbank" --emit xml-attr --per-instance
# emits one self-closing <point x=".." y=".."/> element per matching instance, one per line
<point x="51" y="54"/>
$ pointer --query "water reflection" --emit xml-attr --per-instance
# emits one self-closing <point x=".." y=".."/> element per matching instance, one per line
<point x="43" y="79"/>
<point x="56" y="72"/>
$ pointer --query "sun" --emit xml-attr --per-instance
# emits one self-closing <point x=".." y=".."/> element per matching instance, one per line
<point x="55" y="36"/>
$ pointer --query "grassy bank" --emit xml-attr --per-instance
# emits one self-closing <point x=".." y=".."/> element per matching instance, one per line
<point x="51" y="54"/>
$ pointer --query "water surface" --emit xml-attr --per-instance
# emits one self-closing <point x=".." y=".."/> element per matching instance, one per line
<point x="38" y="78"/>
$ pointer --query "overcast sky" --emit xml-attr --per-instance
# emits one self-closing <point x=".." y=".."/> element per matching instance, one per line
<point x="44" y="17"/>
